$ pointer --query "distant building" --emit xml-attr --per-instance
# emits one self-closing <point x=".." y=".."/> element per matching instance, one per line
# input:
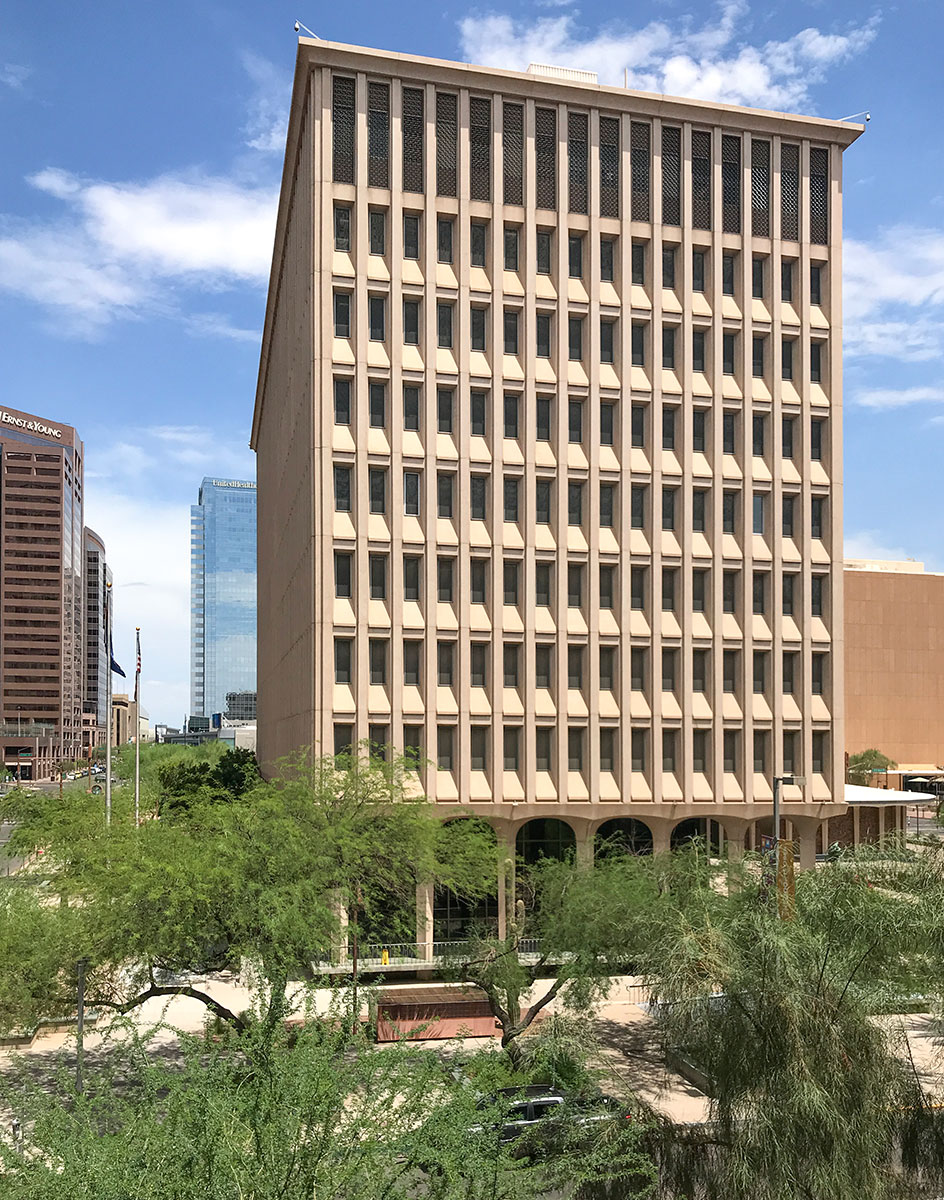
<point x="120" y="719"/>
<point x="240" y="706"/>
<point x="42" y="654"/>
<point x="894" y="661"/>
<point x="223" y="593"/>
<point x="97" y="597"/>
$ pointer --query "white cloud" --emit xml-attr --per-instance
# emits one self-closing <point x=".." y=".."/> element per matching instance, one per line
<point x="870" y="543"/>
<point x="267" y="121"/>
<point x="713" y="62"/>
<point x="14" y="75"/>
<point x="881" y="398"/>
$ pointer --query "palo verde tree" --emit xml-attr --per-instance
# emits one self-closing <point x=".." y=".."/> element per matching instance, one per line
<point x="866" y="763"/>
<point x="261" y="876"/>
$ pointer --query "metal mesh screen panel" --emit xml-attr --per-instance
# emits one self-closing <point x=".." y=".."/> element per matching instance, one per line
<point x="378" y="135"/>
<point x="701" y="179"/>
<point x="790" y="192"/>
<point x="760" y="188"/>
<point x="447" y="143"/>
<point x="819" y="196"/>
<point x="671" y="175"/>
<point x="342" y="129"/>
<point x="545" y="157"/>
<point x="609" y="166"/>
<point x="414" y="130"/>
<point x="578" y="151"/>
<point x="731" y="184"/>
<point x="513" y="153"/>
<point x="639" y="158"/>
<point x="480" y="148"/>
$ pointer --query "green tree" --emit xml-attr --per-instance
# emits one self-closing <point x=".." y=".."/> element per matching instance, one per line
<point x="263" y="879"/>
<point x="865" y="764"/>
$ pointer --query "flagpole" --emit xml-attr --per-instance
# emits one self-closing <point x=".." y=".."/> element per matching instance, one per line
<point x="108" y="717"/>
<point x="137" y="732"/>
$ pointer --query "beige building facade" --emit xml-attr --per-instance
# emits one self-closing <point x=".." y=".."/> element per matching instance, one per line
<point x="549" y="440"/>
<point x="894" y="620"/>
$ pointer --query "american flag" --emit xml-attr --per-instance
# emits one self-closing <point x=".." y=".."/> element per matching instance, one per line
<point x="137" y="639"/>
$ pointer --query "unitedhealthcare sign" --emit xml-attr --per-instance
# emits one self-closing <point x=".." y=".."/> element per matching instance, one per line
<point x="31" y="426"/>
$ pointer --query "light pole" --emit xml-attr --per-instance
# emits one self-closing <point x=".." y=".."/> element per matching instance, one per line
<point x="798" y="781"/>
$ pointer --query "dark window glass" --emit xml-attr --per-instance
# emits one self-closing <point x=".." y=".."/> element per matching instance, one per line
<point x="511" y="331"/>
<point x="479" y="664"/>
<point x="818" y="674"/>
<point x="542" y="496"/>
<point x="543" y="326"/>
<point x="478" y="243"/>
<point x="698" y="350"/>
<point x="729" y="512"/>
<point x="607" y="586"/>
<point x="669" y="670"/>
<point x="575" y="421"/>
<point x="668" y="347"/>
<point x="575" y="656"/>
<point x="607" y="260"/>
<point x="816" y="284"/>
<point x="729" y="670"/>
<point x="342" y="314"/>
<point x="377" y="487"/>
<point x="543" y="249"/>
<point x="669" y="422"/>
<point x="639" y="738"/>
<point x="786" y="358"/>
<point x="788" y="587"/>
<point x="787" y="436"/>
<point x="411" y="493"/>
<point x="816" y="362"/>
<point x="512" y="405"/>
<point x="511" y="490"/>
<point x="510" y="576"/>
<point x="342" y="402"/>
<point x="377" y="318"/>
<point x="699" y="585"/>
<point x="760" y="672"/>
<point x="816" y="440"/>
<point x="343" y="570"/>
<point x="817" y="516"/>
<point x="377" y="657"/>
<point x="759" y="434"/>
<point x="607" y="424"/>
<point x="818" y="595"/>
<point x="411" y="577"/>
<point x="478" y="497"/>
<point x="477" y="328"/>
<point x="377" y="404"/>
<point x="574" y="585"/>
<point x="411" y="235"/>
<point x="575" y="504"/>
<point x="511" y="248"/>
<point x="575" y="256"/>
<point x="668" y="266"/>
<point x="377" y="575"/>
<point x="731" y="751"/>
<point x="789" y="502"/>
<point x="544" y="410"/>
<point x="786" y="281"/>
<point x="444" y="239"/>
<point x="606" y="340"/>
<point x="478" y="750"/>
<point x="760" y="593"/>
<point x="699" y="430"/>
<point x="760" y="506"/>
<point x="668" y="589"/>
<point x="543" y="579"/>
<point x="342" y="227"/>
<point x="411" y="407"/>
<point x="757" y="278"/>
<point x="607" y="504"/>
<point x="478" y="410"/>
<point x="445" y="493"/>
<point x="789" y="674"/>
<point x="412" y="663"/>
<point x="638" y="345"/>
<point x="700" y="751"/>
<point x="727" y="274"/>
<point x="511" y="654"/>
<point x="343" y="660"/>
<point x="699" y="670"/>
<point x="411" y="322"/>
<point x="639" y="264"/>
<point x="575" y="338"/>
<point x="342" y="489"/>
<point x="479" y="581"/>
<point x="445" y="747"/>
<point x="637" y="587"/>
<point x="378" y="231"/>
<point x="638" y="506"/>
<point x="699" y="508"/>
<point x="638" y="426"/>
<point x="757" y="356"/>
<point x="444" y="325"/>
<point x="668" y="507"/>
<point x="445" y="407"/>
<point x="729" y="586"/>
<point x="729" y="433"/>
<point x="445" y="579"/>
<point x="698" y="270"/>
<point x="728" y="344"/>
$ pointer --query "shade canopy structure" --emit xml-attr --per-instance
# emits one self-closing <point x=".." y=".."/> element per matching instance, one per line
<point x="859" y="795"/>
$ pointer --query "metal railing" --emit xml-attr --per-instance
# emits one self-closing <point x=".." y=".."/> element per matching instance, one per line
<point x="407" y="954"/>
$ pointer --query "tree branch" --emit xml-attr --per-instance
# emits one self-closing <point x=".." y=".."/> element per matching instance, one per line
<point x="533" y="1011"/>
<point x="219" y="1010"/>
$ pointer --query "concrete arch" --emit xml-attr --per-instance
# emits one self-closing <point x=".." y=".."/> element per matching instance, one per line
<point x="622" y="835"/>
<point x="454" y="916"/>
<point x="545" y="837"/>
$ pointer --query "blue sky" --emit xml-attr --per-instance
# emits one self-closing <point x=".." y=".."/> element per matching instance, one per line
<point x="141" y="150"/>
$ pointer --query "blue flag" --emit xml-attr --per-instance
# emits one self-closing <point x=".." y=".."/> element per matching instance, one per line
<point x="114" y="666"/>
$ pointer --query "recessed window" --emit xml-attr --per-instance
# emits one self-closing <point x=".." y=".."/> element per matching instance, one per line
<point x="729" y="670"/>
<point x="638" y="744"/>
<point x="757" y="278"/>
<point x="575" y="338"/>
<point x="543" y="748"/>
<point x="820" y="751"/>
<point x="411" y="493"/>
<point x="411" y="236"/>
<point x="377" y="655"/>
<point x="786" y="281"/>
<point x="343" y="571"/>
<point x="511" y="747"/>
<point x="342" y="227"/>
<point x="377" y="405"/>
<point x="574" y="585"/>
<point x="699" y="588"/>
<point x="343" y="660"/>
<point x="638" y="657"/>
<point x="543" y="489"/>
<point x="668" y="347"/>
<point x="699" y="509"/>
<point x="342" y="402"/>
<point x="411" y="577"/>
<point x="478" y="749"/>
<point x="543" y="331"/>
<point x="729" y="590"/>
<point x="638" y="430"/>
<point x="759" y="595"/>
<point x="445" y="493"/>
<point x="511" y="331"/>
<point x="575" y="421"/>
<point x="478" y="497"/>
<point x="411" y="322"/>
<point x="575" y="256"/>
<point x="412" y="663"/>
<point x="668" y="266"/>
<point x="818" y="674"/>
<point x="790" y="658"/>
<point x="575" y="504"/>
<point x="607" y="260"/>
<point x="411" y="407"/>
<point x="607" y="748"/>
<point x="544" y="417"/>
<point x="445" y="747"/>
<point x="816" y="440"/>
<point x="760" y="509"/>
<point x="377" y="576"/>
<point x="512" y="488"/>
<point x="607" y="329"/>
<point x="759" y="434"/>
<point x="761" y="738"/>
<point x="575" y="744"/>
<point x="511" y="657"/>
<point x="413" y="746"/>
<point x="669" y="670"/>
<point x="607" y="505"/>
<point x="607" y="423"/>
<point x="729" y="432"/>
<point x="575" y="655"/>
<point x="543" y="583"/>
<point x="378" y="231"/>
<point x="669" y="424"/>
<point x="700" y="751"/>
<point x="637" y="506"/>
<point x="543" y="249"/>
<point x="377" y="489"/>
<point x="731" y="748"/>
<point x="637" y="588"/>
<point x="816" y="284"/>
<point x="789" y="505"/>
<point x="728" y="348"/>
<point x="817" y="516"/>
<point x="510" y="576"/>
<point x="698" y="270"/>
<point x="787" y="429"/>
<point x="444" y="325"/>
<point x="478" y="322"/>
<point x="342" y="488"/>
<point x="478" y="243"/>
<point x="699" y="671"/>
<point x="639" y="264"/>
<point x="638" y="344"/>
<point x="445" y="580"/>
<point x="699" y="430"/>
<point x="445" y="409"/>
<point x="479" y="664"/>
<point x="669" y="588"/>
<point x="444" y="228"/>
<point x="478" y="580"/>
<point x="788" y="591"/>
<point x="377" y="318"/>
<point x="478" y="413"/>
<point x="698" y="350"/>
<point x="786" y="358"/>
<point x="342" y="314"/>
<point x="729" y="503"/>
<point x="669" y="495"/>
<point x="607" y="586"/>
<point x="816" y="362"/>
<point x="512" y="407"/>
<point x="757" y="356"/>
<point x="727" y="274"/>
<point x="760" y="672"/>
<point x="511" y="248"/>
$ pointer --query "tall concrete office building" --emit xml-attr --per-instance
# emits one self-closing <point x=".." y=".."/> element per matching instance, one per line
<point x="222" y="593"/>
<point x="42" y="619"/>
<point x="549" y="440"/>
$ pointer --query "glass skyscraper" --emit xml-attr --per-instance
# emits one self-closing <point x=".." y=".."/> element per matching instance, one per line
<point x="222" y="594"/>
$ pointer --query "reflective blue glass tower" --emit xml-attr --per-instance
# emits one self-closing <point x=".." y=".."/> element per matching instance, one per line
<point x="222" y="594"/>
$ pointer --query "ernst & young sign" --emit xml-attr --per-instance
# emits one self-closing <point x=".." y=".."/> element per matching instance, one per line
<point x="30" y="425"/>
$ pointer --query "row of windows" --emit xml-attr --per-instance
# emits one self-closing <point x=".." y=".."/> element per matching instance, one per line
<point x="448" y="251"/>
<point x="577" y="505"/>
<point x="547" y="409"/>
<point x="518" y="159"/>
<point x="544" y="343"/>
<point x="543" y="674"/>
<point x="608" y="748"/>
<point x="545" y="596"/>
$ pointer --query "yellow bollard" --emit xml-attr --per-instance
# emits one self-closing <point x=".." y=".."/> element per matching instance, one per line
<point x="384" y="958"/>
